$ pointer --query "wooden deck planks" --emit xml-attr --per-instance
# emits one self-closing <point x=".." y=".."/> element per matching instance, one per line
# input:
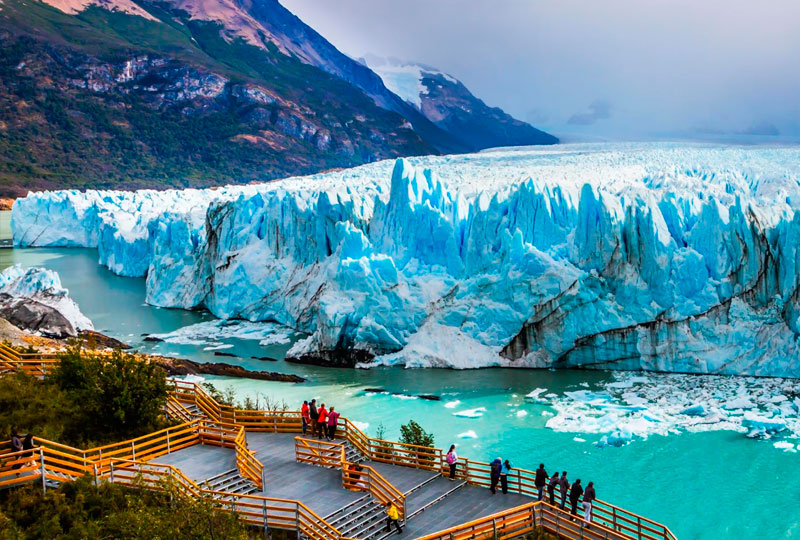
<point x="321" y="489"/>
<point x="200" y="462"/>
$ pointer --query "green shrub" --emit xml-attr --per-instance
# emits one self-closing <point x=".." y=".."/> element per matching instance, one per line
<point x="412" y="433"/>
<point x="116" y="396"/>
<point x="80" y="510"/>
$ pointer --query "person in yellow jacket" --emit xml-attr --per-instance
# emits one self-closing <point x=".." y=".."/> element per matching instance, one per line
<point x="392" y="516"/>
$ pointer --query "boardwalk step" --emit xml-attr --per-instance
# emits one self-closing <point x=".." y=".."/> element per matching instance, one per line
<point x="436" y="500"/>
<point x="336" y="514"/>
<point x="231" y="482"/>
<point x="354" y="515"/>
<point x="422" y="484"/>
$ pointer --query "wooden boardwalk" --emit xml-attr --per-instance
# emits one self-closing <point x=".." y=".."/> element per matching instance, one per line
<point x="321" y="489"/>
<point x="257" y="465"/>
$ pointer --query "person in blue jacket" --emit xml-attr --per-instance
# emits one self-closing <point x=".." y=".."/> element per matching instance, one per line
<point x="504" y="470"/>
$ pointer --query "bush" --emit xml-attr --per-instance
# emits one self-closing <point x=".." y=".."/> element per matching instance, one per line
<point x="89" y="400"/>
<point x="412" y="433"/>
<point x="117" y="396"/>
<point x="82" y="510"/>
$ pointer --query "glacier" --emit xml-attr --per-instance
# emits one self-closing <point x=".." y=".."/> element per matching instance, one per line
<point x="668" y="257"/>
<point x="33" y="299"/>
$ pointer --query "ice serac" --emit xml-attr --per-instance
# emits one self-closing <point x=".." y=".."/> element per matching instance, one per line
<point x="33" y="299"/>
<point x="667" y="257"/>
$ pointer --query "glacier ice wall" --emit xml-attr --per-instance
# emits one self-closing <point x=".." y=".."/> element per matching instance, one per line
<point x="24" y="290"/>
<point x="668" y="257"/>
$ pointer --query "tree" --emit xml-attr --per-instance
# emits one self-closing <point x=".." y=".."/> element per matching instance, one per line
<point x="116" y="395"/>
<point x="412" y="433"/>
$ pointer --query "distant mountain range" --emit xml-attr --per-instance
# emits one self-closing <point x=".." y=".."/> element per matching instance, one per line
<point x="445" y="101"/>
<point x="139" y="93"/>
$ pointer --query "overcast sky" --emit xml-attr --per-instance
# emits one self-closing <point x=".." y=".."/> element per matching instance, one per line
<point x="617" y="69"/>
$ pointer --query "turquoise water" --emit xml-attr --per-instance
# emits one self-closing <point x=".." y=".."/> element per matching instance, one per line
<point x="710" y="485"/>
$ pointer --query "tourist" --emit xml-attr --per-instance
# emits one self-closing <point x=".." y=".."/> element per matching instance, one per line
<point x="504" y="470"/>
<point x="575" y="495"/>
<point x="588" y="500"/>
<point x="551" y="488"/>
<point x="305" y="414"/>
<point x="452" y="461"/>
<point x="322" y="421"/>
<point x="333" y="419"/>
<point x="494" y="474"/>
<point x="541" y="480"/>
<point x="563" y="488"/>
<point x="16" y="446"/>
<point x="392" y="518"/>
<point x="313" y="414"/>
<point x="27" y="444"/>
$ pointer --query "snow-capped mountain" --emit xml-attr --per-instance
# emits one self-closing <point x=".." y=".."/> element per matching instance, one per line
<point x="665" y="257"/>
<point x="445" y="101"/>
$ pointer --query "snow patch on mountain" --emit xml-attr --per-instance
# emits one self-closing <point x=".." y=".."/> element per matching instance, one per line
<point x="404" y="78"/>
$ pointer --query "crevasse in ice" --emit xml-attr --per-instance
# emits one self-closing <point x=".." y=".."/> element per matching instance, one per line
<point x="671" y="257"/>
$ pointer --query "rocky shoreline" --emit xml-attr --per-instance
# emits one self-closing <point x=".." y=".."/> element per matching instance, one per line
<point x="173" y="366"/>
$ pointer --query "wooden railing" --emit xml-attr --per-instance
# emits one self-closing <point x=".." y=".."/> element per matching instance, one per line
<point x="256" y="510"/>
<point x="224" y="425"/>
<point x="502" y="525"/>
<point x="359" y="477"/>
<point x="36" y="365"/>
<point x="249" y="466"/>
<point x="317" y="452"/>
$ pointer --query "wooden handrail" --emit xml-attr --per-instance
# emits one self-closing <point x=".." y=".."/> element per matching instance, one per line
<point x="226" y="426"/>
<point x="360" y="477"/>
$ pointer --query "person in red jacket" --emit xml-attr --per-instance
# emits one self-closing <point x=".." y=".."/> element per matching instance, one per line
<point x="333" y="420"/>
<point x="322" y="421"/>
<point x="305" y="413"/>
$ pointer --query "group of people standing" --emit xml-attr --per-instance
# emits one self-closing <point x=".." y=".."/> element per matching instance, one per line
<point x="499" y="470"/>
<point x="19" y="444"/>
<point x="565" y="489"/>
<point x="320" y="421"/>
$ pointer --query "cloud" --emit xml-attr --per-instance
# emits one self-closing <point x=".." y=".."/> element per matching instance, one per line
<point x="598" y="110"/>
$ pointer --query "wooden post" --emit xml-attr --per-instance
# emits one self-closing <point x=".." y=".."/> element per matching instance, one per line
<point x="96" y="479"/>
<point x="111" y="466"/>
<point x="297" y="518"/>
<point x="494" y="529"/>
<point x="44" y="478"/>
<point x="168" y="449"/>
<point x="519" y="484"/>
<point x="266" y="525"/>
<point x="133" y="450"/>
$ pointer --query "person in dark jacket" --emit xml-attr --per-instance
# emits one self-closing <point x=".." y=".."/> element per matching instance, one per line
<point x="563" y="488"/>
<point x="16" y="446"/>
<point x="575" y="496"/>
<point x="551" y="488"/>
<point x="313" y="415"/>
<point x="27" y="444"/>
<point x="494" y="474"/>
<point x="541" y="480"/>
<point x="588" y="501"/>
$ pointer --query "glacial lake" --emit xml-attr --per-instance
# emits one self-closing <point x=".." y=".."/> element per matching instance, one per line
<point x="705" y="485"/>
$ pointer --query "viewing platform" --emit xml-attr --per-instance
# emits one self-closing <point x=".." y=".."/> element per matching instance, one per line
<point x="259" y="465"/>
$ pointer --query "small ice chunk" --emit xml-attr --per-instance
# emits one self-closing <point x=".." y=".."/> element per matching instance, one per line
<point x="471" y="413"/>
<point x="694" y="410"/>
<point x="468" y="435"/>
<point x="578" y="439"/>
<point x="522" y="414"/>
<point x="452" y="404"/>
<point x="786" y="446"/>
<point x="534" y="395"/>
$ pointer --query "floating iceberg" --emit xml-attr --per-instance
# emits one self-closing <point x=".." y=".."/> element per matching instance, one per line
<point x="33" y="299"/>
<point x="209" y="333"/>
<point x="662" y="257"/>
<point x="471" y="413"/>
